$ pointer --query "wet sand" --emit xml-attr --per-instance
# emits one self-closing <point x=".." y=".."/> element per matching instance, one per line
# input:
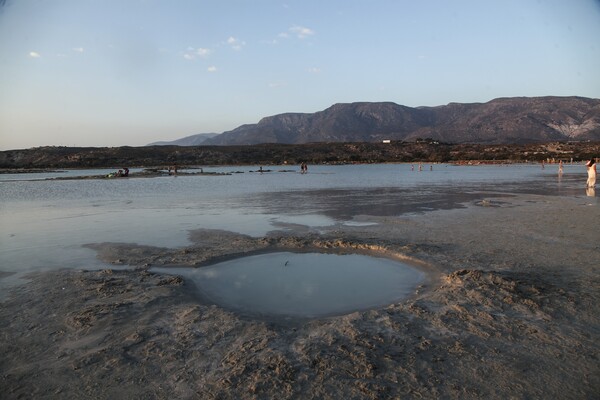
<point x="511" y="310"/>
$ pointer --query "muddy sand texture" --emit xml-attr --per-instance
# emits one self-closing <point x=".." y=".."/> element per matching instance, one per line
<point x="511" y="311"/>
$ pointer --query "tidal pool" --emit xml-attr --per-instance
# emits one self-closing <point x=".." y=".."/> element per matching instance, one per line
<point x="303" y="284"/>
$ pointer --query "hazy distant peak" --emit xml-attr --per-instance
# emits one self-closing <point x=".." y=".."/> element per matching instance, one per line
<point x="193" y="140"/>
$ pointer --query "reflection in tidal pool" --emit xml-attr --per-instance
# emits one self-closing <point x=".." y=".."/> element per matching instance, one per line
<point x="305" y="284"/>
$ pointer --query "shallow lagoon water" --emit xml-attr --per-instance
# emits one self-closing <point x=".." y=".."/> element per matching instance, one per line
<point x="303" y="284"/>
<point x="44" y="223"/>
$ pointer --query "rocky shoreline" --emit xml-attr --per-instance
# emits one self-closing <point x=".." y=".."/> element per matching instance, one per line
<point x="285" y="154"/>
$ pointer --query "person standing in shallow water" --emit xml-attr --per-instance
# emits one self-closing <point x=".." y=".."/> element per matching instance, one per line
<point x="591" y="170"/>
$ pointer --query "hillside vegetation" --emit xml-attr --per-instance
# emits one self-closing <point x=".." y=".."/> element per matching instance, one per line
<point x="277" y="154"/>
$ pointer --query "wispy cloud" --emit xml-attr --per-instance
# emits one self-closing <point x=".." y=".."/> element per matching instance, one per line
<point x="301" y="32"/>
<point x="235" y="43"/>
<point x="278" y="39"/>
<point x="275" y="85"/>
<point x="192" y="53"/>
<point x="212" y="68"/>
<point x="34" y="54"/>
<point x="314" y="70"/>
<point x="202" y="52"/>
<point x="77" y="49"/>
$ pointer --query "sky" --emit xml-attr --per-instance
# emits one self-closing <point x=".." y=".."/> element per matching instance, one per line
<point x="130" y="72"/>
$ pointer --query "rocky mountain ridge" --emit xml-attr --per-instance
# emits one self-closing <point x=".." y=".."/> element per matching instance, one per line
<point x="500" y="121"/>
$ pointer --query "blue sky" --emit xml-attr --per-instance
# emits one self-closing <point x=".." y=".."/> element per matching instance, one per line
<point x="130" y="72"/>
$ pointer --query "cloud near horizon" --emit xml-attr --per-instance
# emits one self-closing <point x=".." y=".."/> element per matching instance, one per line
<point x="34" y="54"/>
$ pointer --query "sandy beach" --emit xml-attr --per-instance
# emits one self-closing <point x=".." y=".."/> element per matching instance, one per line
<point x="510" y="310"/>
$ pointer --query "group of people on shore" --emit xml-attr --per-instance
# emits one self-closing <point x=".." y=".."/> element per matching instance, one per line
<point x="412" y="167"/>
<point x="590" y="165"/>
<point x="122" y="173"/>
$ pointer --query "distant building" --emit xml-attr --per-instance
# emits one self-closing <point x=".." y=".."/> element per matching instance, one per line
<point x="427" y="140"/>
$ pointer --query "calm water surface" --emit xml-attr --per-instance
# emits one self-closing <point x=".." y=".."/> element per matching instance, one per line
<point x="303" y="285"/>
<point x="44" y="223"/>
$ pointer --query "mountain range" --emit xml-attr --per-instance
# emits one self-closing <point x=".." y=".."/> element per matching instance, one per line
<point x="516" y="120"/>
<point x="193" y="140"/>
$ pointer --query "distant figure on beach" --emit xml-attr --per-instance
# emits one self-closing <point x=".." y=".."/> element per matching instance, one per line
<point x="120" y="173"/>
<point x="412" y="167"/>
<point x="591" y="170"/>
<point x="420" y="167"/>
<point x="303" y="168"/>
<point x="560" y="167"/>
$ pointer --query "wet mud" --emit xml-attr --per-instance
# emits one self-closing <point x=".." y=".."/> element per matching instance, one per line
<point x="510" y="310"/>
